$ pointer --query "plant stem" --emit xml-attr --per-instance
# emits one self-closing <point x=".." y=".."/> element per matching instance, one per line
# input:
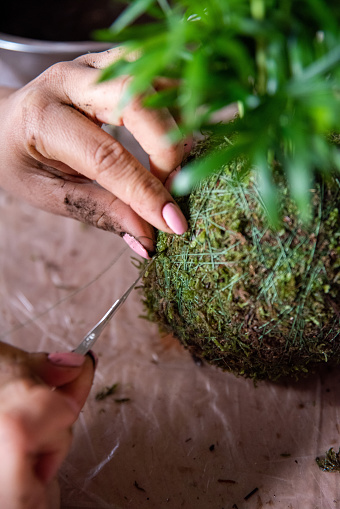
<point x="258" y="11"/>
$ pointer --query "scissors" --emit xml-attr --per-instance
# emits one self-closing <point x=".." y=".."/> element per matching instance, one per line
<point x="91" y="337"/>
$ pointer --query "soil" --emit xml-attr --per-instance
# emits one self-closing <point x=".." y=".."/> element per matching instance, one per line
<point x="58" y="20"/>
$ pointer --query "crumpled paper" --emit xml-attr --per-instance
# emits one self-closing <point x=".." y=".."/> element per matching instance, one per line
<point x="173" y="434"/>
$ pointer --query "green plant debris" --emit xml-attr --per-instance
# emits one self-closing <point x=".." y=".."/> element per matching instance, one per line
<point x="331" y="461"/>
<point x="258" y="302"/>
<point x="108" y="391"/>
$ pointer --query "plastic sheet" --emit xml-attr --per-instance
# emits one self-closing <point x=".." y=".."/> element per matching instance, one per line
<point x="174" y="434"/>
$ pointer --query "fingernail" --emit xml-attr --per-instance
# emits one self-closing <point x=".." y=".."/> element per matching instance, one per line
<point x="66" y="359"/>
<point x="93" y="357"/>
<point x="174" y="218"/>
<point x="136" y="246"/>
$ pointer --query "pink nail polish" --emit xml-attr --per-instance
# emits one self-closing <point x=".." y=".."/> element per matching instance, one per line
<point x="136" y="246"/>
<point x="66" y="359"/>
<point x="174" y="218"/>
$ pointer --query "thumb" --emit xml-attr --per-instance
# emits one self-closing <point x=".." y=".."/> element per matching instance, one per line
<point x="71" y="373"/>
<point x="78" y="389"/>
<point x="56" y="369"/>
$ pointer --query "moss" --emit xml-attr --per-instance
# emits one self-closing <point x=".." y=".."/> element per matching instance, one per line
<point x="331" y="461"/>
<point x="254" y="301"/>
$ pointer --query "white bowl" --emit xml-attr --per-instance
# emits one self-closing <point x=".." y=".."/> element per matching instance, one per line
<point x="27" y="58"/>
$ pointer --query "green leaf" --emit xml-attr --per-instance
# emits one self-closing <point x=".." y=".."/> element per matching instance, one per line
<point x="322" y="65"/>
<point x="280" y="60"/>
<point x="162" y="99"/>
<point x="193" y="173"/>
<point x="300" y="180"/>
<point x="194" y="86"/>
<point x="267" y="189"/>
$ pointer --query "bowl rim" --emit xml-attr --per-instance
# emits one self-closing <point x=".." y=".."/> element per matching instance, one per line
<point x="25" y="45"/>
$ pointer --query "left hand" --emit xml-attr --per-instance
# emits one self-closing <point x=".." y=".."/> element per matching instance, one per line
<point x="54" y="154"/>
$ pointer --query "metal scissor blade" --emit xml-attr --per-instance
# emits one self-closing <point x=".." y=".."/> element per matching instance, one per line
<point x="91" y="337"/>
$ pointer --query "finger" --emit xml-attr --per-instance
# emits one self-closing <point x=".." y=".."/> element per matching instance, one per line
<point x="74" y="380"/>
<point x="25" y="475"/>
<point x="52" y="454"/>
<point x="78" y="389"/>
<point x="55" y="369"/>
<point x="95" y="154"/>
<point x="35" y="436"/>
<point x="150" y="127"/>
<point x="13" y="364"/>
<point x="89" y="203"/>
<point x="18" y="482"/>
<point x="72" y="374"/>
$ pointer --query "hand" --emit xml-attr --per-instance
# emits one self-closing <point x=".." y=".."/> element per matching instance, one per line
<point x="54" y="154"/>
<point x="35" y="422"/>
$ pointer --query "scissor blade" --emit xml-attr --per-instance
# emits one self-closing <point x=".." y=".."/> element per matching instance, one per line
<point x="91" y="337"/>
<point x="129" y="290"/>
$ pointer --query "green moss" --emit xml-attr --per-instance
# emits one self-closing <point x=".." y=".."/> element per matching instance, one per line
<point x="331" y="461"/>
<point x="253" y="301"/>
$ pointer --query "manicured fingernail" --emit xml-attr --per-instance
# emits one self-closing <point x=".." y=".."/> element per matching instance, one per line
<point x="66" y="359"/>
<point x="174" y="218"/>
<point x="93" y="357"/>
<point x="136" y="246"/>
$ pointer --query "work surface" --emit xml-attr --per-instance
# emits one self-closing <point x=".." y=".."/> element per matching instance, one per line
<point x="173" y="434"/>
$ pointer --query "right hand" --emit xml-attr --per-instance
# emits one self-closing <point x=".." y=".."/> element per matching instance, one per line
<point x="36" y="422"/>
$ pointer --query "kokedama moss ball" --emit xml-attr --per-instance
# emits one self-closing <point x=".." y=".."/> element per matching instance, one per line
<point x="251" y="300"/>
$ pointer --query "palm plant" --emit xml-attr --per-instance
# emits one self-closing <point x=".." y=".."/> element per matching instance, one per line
<point x="277" y="60"/>
<point x="260" y="299"/>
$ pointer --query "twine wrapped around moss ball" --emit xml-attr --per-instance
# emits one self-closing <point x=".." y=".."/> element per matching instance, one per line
<point x="251" y="300"/>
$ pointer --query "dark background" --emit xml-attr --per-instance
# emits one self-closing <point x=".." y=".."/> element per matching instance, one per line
<point x="58" y="20"/>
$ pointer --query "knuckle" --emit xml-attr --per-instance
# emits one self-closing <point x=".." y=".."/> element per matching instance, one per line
<point x="107" y="154"/>
<point x="144" y="188"/>
<point x="101" y="59"/>
<point x="38" y="107"/>
<point x="55" y="75"/>
<point x="87" y="60"/>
